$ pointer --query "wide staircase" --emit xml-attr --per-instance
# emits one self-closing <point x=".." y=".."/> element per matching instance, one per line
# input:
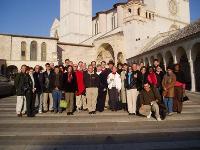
<point x="106" y="130"/>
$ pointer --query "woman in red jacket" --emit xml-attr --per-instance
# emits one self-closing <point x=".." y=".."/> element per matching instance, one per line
<point x="152" y="79"/>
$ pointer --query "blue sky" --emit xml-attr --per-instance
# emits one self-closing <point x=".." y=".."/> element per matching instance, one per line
<point x="35" y="17"/>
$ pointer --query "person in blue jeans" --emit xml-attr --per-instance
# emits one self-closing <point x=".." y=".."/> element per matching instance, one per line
<point x="56" y="82"/>
<point x="168" y="84"/>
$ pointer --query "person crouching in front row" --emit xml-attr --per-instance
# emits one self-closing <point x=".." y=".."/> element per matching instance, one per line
<point x="149" y="100"/>
<point x="114" y="86"/>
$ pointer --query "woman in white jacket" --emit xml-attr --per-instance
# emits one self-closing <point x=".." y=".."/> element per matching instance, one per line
<point x="114" y="87"/>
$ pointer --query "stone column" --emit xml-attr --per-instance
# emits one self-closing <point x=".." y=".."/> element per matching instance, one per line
<point x="193" y="89"/>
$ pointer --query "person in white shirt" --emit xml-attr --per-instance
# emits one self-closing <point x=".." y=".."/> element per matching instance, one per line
<point x="114" y="87"/>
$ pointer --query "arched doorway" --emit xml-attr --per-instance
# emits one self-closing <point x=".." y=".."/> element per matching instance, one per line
<point x="196" y="59"/>
<point x="182" y="59"/>
<point x="160" y="59"/>
<point x="105" y="53"/>
<point x="152" y="60"/>
<point x="146" y="62"/>
<point x="169" y="58"/>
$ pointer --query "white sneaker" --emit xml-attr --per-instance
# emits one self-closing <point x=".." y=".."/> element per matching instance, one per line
<point x="170" y="114"/>
<point x="40" y="112"/>
<point x="158" y="119"/>
<point x="149" y="116"/>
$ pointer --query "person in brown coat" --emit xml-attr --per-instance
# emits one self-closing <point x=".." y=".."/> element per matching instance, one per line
<point x="168" y="84"/>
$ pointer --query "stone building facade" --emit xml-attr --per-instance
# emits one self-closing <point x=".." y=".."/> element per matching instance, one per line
<point x="129" y="31"/>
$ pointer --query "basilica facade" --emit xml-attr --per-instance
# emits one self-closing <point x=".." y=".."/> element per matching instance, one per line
<point x="127" y="32"/>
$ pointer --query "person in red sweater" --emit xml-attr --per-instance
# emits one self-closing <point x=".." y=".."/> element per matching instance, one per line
<point x="80" y="94"/>
<point x="152" y="79"/>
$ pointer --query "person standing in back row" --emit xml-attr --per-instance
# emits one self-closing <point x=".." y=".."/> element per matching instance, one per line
<point x="91" y="81"/>
<point x="132" y="84"/>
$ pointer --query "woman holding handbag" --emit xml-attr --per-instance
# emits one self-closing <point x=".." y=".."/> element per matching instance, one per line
<point x="70" y="88"/>
<point x="179" y="89"/>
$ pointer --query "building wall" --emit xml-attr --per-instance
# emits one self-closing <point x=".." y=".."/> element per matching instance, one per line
<point x="5" y="47"/>
<point x="10" y="48"/>
<point x="77" y="53"/>
<point x="75" y="20"/>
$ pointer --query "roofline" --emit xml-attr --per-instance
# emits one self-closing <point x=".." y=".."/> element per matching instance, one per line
<point x="29" y="36"/>
<point x="163" y="46"/>
<point x="107" y="11"/>
<point x="73" y="44"/>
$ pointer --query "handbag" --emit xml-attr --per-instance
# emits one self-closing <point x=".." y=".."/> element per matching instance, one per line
<point x="185" y="98"/>
<point x="63" y="104"/>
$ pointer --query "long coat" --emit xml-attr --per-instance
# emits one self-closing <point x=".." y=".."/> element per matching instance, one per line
<point x="123" y="90"/>
<point x="169" y="83"/>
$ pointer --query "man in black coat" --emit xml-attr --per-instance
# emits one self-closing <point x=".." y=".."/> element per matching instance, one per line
<point x="20" y="91"/>
<point x="39" y="80"/>
<point x="47" y="89"/>
<point x="102" y="91"/>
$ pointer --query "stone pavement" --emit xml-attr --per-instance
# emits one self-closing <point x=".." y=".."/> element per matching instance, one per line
<point x="107" y="130"/>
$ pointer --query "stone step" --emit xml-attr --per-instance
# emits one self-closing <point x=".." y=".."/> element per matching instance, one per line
<point x="161" y="141"/>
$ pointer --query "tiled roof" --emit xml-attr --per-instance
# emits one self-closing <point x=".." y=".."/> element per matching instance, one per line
<point x="185" y="32"/>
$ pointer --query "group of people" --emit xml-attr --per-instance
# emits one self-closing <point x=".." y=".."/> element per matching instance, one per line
<point x="137" y="89"/>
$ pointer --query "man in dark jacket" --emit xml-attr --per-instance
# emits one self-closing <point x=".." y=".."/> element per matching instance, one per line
<point x="39" y="80"/>
<point x="47" y="89"/>
<point x="102" y="91"/>
<point x="91" y="80"/>
<point x="20" y="91"/>
<point x="56" y="84"/>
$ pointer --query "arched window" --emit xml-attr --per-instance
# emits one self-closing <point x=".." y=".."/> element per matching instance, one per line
<point x="43" y="51"/>
<point x="113" y="22"/>
<point x="23" y="50"/>
<point x="33" y="51"/>
<point x="96" y="28"/>
<point x="138" y="11"/>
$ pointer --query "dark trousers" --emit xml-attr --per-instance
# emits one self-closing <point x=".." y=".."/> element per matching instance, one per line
<point x="101" y="99"/>
<point x="29" y="103"/>
<point x="113" y="98"/>
<point x="177" y="101"/>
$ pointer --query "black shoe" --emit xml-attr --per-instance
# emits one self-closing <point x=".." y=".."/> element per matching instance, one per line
<point x="94" y="112"/>
<point x="19" y="115"/>
<point x="55" y="112"/>
<point x="90" y="113"/>
<point x="68" y="113"/>
<point x="71" y="113"/>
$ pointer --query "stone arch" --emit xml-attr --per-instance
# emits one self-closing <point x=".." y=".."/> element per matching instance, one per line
<point x="105" y="53"/>
<point x="182" y="59"/>
<point x="195" y="55"/>
<point x="33" y="51"/>
<point x="146" y="62"/>
<point x="161" y="60"/>
<point x="169" y="58"/>
<point x="43" y="51"/>
<point x="151" y="60"/>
